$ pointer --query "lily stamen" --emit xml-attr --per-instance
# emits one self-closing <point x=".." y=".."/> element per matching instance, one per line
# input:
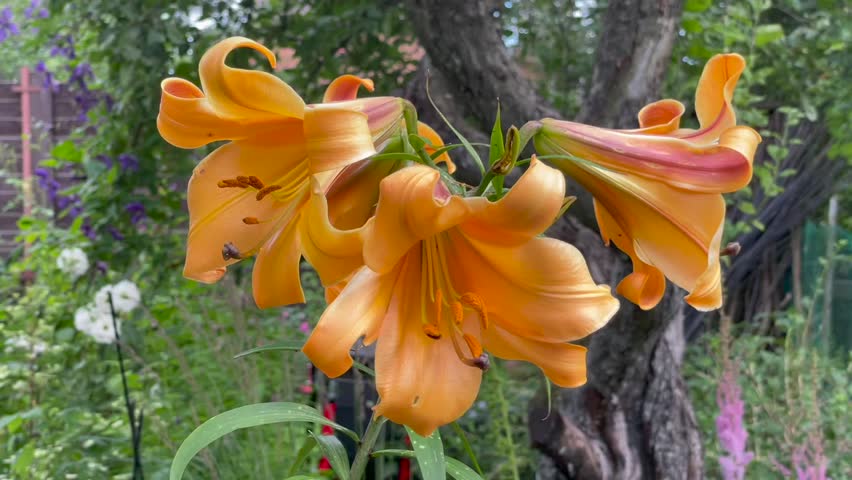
<point x="266" y="191"/>
<point x="251" y="220"/>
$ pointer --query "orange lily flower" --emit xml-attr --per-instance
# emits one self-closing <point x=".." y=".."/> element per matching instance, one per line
<point x="657" y="189"/>
<point x="250" y="196"/>
<point x="449" y="278"/>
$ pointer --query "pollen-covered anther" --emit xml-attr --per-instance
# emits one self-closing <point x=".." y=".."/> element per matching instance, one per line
<point x="255" y="182"/>
<point x="231" y="183"/>
<point x="251" y="220"/>
<point x="473" y="345"/>
<point x="458" y="313"/>
<point x="432" y="331"/>
<point x="230" y="251"/>
<point x="475" y="303"/>
<point x="266" y="191"/>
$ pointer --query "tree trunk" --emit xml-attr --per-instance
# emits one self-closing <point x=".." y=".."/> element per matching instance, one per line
<point x="633" y="419"/>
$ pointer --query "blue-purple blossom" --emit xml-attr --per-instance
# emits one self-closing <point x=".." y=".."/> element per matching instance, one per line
<point x="50" y="82"/>
<point x="8" y="28"/>
<point x="136" y="211"/>
<point x="63" y="46"/>
<point x="35" y="10"/>
<point x="89" y="230"/>
<point x="116" y="234"/>
<point x="730" y="429"/>
<point x="128" y="162"/>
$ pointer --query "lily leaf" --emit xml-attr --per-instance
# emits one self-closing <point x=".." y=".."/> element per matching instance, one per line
<point x="335" y="452"/>
<point x="430" y="455"/>
<point x="288" y="346"/>
<point x="244" y="417"/>
<point x="302" y="455"/>
<point x="455" y="468"/>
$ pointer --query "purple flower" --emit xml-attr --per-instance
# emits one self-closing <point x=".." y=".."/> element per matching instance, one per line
<point x="42" y="173"/>
<point x="89" y="231"/>
<point x="136" y="211"/>
<point x="75" y="211"/>
<point x="730" y="429"/>
<point x="128" y="162"/>
<point x="8" y="28"/>
<point x="50" y="83"/>
<point x="102" y="266"/>
<point x="63" y="45"/>
<point x="34" y="5"/>
<point x="106" y="160"/>
<point x="116" y="234"/>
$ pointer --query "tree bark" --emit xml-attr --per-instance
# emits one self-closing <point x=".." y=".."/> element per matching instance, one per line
<point x="633" y="419"/>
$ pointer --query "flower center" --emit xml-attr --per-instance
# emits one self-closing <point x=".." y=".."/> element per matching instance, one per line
<point x="448" y="306"/>
<point x="282" y="189"/>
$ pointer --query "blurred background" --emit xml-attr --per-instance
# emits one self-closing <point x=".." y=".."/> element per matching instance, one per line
<point x="92" y="201"/>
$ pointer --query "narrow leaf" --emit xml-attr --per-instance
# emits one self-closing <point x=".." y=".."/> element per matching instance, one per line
<point x="460" y="471"/>
<point x="467" y="447"/>
<point x="302" y="455"/>
<point x="496" y="151"/>
<point x="430" y="455"/>
<point x="244" y="417"/>
<point x="288" y="346"/>
<point x="467" y="145"/>
<point x="335" y="452"/>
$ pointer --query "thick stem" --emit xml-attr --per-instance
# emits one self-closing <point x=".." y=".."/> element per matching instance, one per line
<point x="359" y="465"/>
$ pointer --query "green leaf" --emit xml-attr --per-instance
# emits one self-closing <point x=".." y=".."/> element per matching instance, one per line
<point x="460" y="471"/>
<point x="18" y="417"/>
<point x="455" y="468"/>
<point x="430" y="455"/>
<point x="697" y="5"/>
<point x="467" y="448"/>
<point x="496" y="151"/>
<point x="288" y="346"/>
<point x="335" y="452"/>
<point x="747" y="208"/>
<point x="692" y="25"/>
<point x="244" y="417"/>
<point x="467" y="145"/>
<point x="766" y="34"/>
<point x="302" y="455"/>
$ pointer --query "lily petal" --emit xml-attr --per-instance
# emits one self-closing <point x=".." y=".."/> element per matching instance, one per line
<point x="660" y="118"/>
<point x="216" y="214"/>
<point x="336" y="136"/>
<point x="188" y="120"/>
<point x="354" y="192"/>
<point x="542" y="289"/>
<point x="345" y="87"/>
<point x="646" y="285"/>
<point x="435" y="142"/>
<point x="714" y="95"/>
<point x="276" y="278"/>
<point x="357" y="311"/>
<point x="334" y="253"/>
<point x="511" y="220"/>
<point x="421" y="381"/>
<point x="717" y="168"/>
<point x="413" y="205"/>
<point x="239" y="93"/>
<point x="675" y="231"/>
<point x="563" y="363"/>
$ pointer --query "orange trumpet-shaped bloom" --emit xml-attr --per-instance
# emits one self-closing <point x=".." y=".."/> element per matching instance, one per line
<point x="449" y="280"/>
<point x="250" y="196"/>
<point x="658" y="188"/>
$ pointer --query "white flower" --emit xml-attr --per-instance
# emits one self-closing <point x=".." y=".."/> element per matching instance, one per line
<point x="125" y="297"/>
<point x="36" y="347"/>
<point x="73" y="261"/>
<point x="96" y="323"/>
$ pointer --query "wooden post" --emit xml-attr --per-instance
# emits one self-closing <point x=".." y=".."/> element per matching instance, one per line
<point x="25" y="89"/>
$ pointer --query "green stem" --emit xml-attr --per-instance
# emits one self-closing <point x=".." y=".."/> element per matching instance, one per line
<point x="359" y="465"/>
<point x="483" y="185"/>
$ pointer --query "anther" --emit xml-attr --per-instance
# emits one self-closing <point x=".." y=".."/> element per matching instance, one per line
<point x="266" y="191"/>
<point x="458" y="313"/>
<point x="229" y="251"/>
<point x="473" y="345"/>
<point x="475" y="302"/>
<point x="255" y="182"/>
<point x="230" y="183"/>
<point x="251" y="220"/>
<point x="431" y="331"/>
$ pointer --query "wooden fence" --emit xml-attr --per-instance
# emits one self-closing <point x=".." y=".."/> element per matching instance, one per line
<point x="33" y="119"/>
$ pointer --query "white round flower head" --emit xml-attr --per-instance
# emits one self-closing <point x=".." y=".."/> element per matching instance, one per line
<point x="125" y="297"/>
<point x="96" y="322"/>
<point x="73" y="261"/>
